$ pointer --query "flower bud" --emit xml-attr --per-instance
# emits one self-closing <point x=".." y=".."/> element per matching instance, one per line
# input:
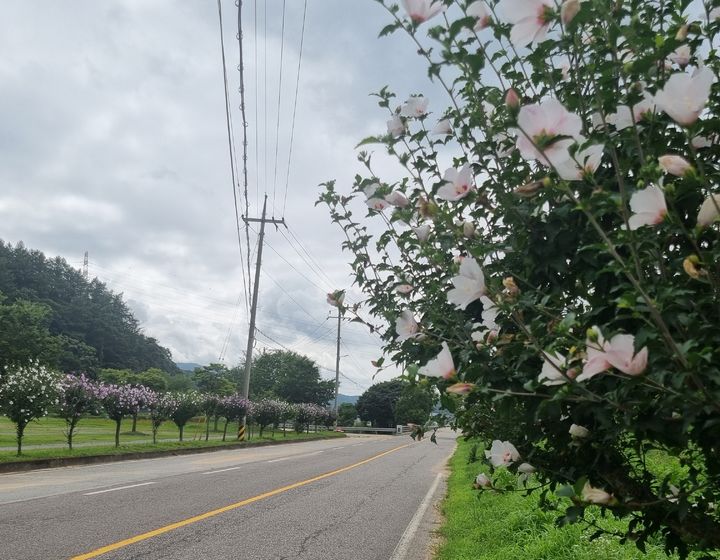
<point x="468" y="229"/>
<point x="682" y="33"/>
<point x="691" y="265"/>
<point x="578" y="432"/>
<point x="526" y="468"/>
<point x="482" y="481"/>
<point x="461" y="388"/>
<point x="510" y="286"/>
<point x="675" y="165"/>
<point x="569" y="10"/>
<point x="528" y="190"/>
<point x="512" y="99"/>
<point x="426" y="208"/>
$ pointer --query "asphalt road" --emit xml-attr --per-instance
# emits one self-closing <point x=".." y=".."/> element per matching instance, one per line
<point x="355" y="498"/>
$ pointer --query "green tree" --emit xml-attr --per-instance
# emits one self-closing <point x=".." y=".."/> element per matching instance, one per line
<point x="153" y="378"/>
<point x="187" y="406"/>
<point x="289" y="376"/>
<point x="347" y="413"/>
<point x="215" y="379"/>
<point x="377" y="404"/>
<point x="24" y="333"/>
<point x="414" y="405"/>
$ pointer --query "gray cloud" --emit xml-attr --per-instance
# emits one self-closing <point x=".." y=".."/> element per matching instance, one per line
<point x="112" y="140"/>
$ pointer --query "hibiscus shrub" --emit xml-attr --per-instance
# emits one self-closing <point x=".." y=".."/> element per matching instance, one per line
<point x="549" y="259"/>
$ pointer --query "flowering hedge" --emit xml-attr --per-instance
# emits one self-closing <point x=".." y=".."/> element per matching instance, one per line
<point x="549" y="259"/>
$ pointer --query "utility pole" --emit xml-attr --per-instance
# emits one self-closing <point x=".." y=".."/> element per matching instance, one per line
<point x="253" y="310"/>
<point x="337" y="362"/>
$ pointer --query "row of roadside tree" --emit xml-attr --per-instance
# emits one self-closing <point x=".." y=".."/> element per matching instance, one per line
<point x="33" y="391"/>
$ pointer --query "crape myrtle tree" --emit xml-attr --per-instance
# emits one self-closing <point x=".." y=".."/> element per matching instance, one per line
<point x="550" y="258"/>
<point x="77" y="395"/>
<point x="120" y="401"/>
<point x="209" y="405"/>
<point x="232" y="408"/>
<point x="26" y="393"/>
<point x="304" y="414"/>
<point x="266" y="412"/>
<point x="161" y="406"/>
<point x="188" y="405"/>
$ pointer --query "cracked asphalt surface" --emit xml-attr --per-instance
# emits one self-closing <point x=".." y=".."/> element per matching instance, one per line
<point x="358" y="514"/>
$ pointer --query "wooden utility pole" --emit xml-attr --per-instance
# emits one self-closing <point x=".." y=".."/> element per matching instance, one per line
<point x="337" y="362"/>
<point x="253" y="310"/>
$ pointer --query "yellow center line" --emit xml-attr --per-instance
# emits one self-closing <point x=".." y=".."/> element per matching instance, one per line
<point x="190" y="520"/>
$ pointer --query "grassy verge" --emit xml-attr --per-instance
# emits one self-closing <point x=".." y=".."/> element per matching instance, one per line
<point x="490" y="526"/>
<point x="128" y="448"/>
<point x="92" y="429"/>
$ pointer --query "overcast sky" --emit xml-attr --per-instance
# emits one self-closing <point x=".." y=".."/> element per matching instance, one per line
<point x="113" y="141"/>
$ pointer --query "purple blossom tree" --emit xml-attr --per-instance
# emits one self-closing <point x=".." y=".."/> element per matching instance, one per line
<point x="120" y="401"/>
<point x="233" y="408"/>
<point x="188" y="405"/>
<point x="161" y="408"/>
<point x="77" y="395"/>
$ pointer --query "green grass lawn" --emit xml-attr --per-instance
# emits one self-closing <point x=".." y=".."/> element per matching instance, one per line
<point x="483" y="525"/>
<point x="96" y="436"/>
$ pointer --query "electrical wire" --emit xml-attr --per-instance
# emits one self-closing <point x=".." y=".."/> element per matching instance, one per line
<point x="279" y="97"/>
<point x="292" y="126"/>
<point x="231" y="150"/>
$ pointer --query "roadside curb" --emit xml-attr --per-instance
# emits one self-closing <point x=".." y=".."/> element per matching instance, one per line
<point x="36" y="464"/>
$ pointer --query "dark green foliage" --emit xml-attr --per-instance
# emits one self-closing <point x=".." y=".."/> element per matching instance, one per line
<point x="290" y="377"/>
<point x="50" y="312"/>
<point x="347" y="413"/>
<point x="377" y="404"/>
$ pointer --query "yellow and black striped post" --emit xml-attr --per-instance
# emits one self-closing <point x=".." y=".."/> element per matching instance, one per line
<point x="241" y="432"/>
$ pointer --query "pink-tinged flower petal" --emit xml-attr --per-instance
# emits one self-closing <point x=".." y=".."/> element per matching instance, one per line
<point x="415" y="106"/>
<point x="370" y="190"/>
<point x="378" y="204"/>
<point x="458" y="184"/>
<point x="468" y="286"/>
<point x="481" y="13"/>
<point x="461" y="388"/>
<point x="526" y="468"/>
<point x="681" y="56"/>
<point x="441" y="365"/>
<point x="684" y="95"/>
<point x="398" y="199"/>
<point x="552" y="371"/>
<point x="422" y="232"/>
<point x="620" y="352"/>
<point x="584" y="163"/>
<point x="404" y="288"/>
<point x="648" y="206"/>
<point x="569" y="10"/>
<point x="422" y="10"/>
<point x="442" y="128"/>
<point x="709" y="211"/>
<point x="396" y="126"/>
<point x="541" y="124"/>
<point x="675" y="165"/>
<point x="529" y="19"/>
<point x="406" y="326"/>
<point x="502" y="453"/>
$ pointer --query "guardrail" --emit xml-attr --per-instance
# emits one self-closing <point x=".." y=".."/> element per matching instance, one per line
<point x="398" y="430"/>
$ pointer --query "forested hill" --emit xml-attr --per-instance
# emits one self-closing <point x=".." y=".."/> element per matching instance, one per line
<point x="49" y="311"/>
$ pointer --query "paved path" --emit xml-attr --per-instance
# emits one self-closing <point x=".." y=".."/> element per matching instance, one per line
<point x="353" y="498"/>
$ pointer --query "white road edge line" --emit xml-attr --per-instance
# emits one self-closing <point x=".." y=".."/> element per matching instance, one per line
<point x="223" y="470"/>
<point x="118" y="488"/>
<point x="402" y="547"/>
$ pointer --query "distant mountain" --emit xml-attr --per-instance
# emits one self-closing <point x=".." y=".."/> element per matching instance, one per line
<point x="187" y="366"/>
<point x="352" y="399"/>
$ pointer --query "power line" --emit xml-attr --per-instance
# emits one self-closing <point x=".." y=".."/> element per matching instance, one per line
<point x="277" y="125"/>
<point x="231" y="148"/>
<point x="292" y="126"/>
<point x="241" y="89"/>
